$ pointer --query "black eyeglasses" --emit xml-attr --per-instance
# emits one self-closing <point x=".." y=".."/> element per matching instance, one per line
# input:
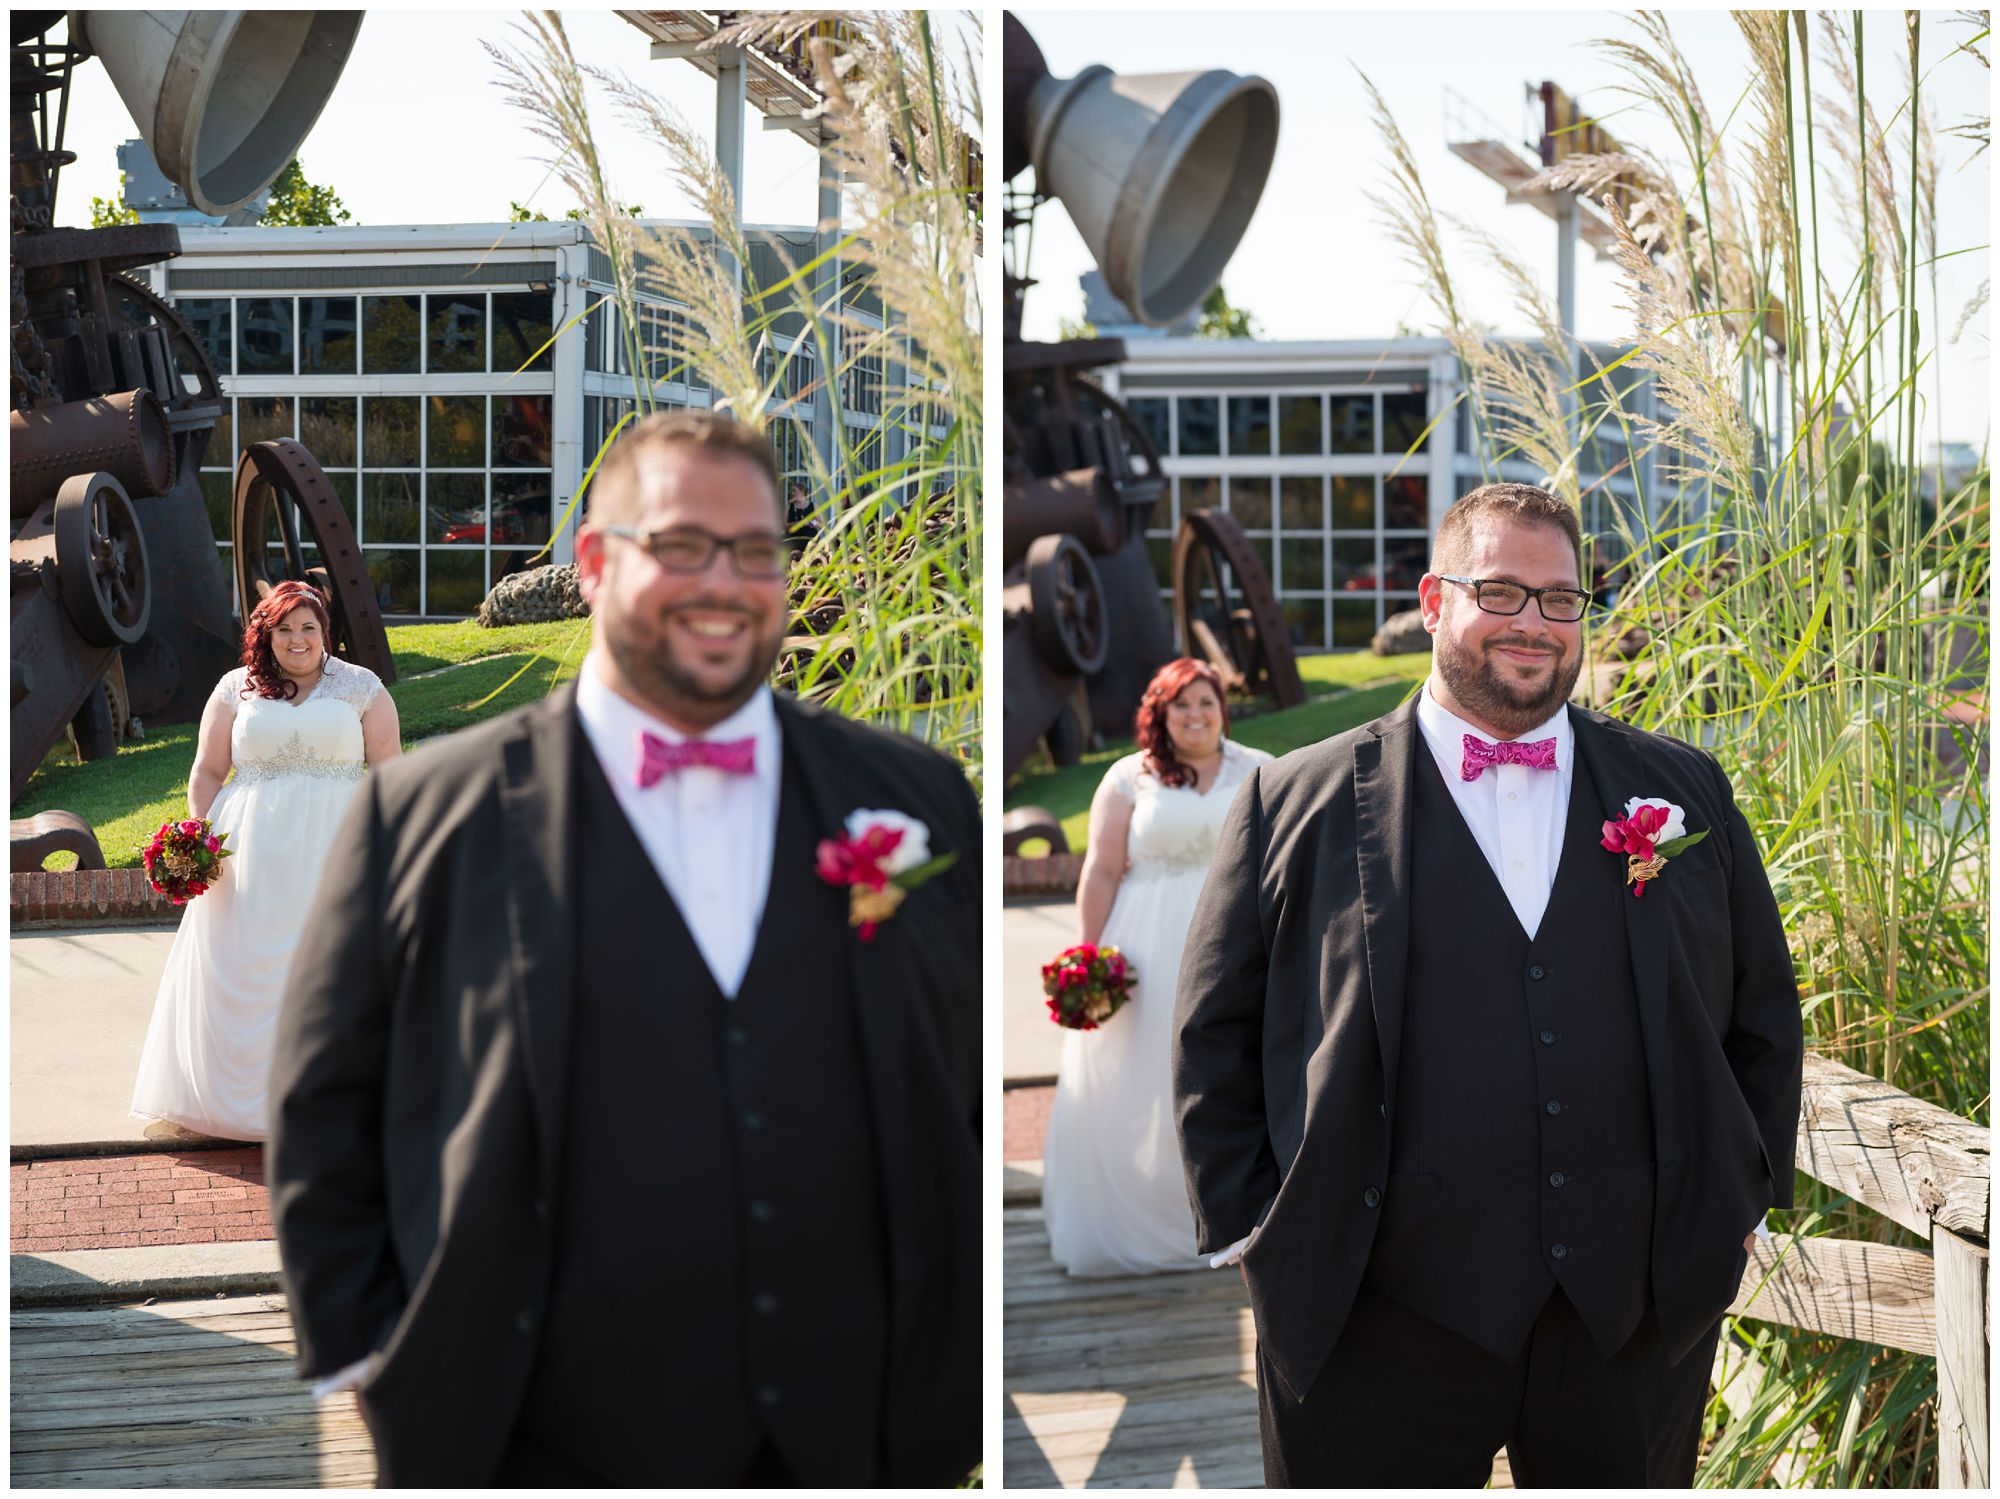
<point x="1562" y="606"/>
<point x="689" y="549"/>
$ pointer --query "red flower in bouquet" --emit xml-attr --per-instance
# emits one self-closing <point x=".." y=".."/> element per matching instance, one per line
<point x="881" y="857"/>
<point x="1086" y="985"/>
<point x="184" y="858"/>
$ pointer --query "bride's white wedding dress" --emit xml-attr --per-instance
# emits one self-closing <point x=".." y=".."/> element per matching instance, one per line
<point x="1113" y="1194"/>
<point x="207" y="1059"/>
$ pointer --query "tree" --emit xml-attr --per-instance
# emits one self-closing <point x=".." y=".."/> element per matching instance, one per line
<point x="1220" y="320"/>
<point x="520" y="213"/>
<point x="295" y="202"/>
<point x="104" y="212"/>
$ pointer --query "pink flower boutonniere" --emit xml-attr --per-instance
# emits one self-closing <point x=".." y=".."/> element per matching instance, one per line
<point x="1651" y="832"/>
<point x="881" y="857"/>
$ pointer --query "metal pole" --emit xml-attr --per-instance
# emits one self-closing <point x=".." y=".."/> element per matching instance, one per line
<point x="1566" y="233"/>
<point x="730" y="101"/>
<point x="824" y="296"/>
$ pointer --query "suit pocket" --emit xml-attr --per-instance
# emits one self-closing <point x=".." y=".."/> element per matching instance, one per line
<point x="1415" y="1186"/>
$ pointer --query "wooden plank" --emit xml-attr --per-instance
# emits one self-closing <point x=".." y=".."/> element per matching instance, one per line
<point x="1870" y="1292"/>
<point x="1963" y="1354"/>
<point x="1909" y="1160"/>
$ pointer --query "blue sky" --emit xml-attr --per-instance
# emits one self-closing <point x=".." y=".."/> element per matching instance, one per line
<point x="1315" y="265"/>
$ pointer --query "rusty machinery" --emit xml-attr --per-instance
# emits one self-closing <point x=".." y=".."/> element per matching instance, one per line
<point x="120" y="608"/>
<point x="1160" y="174"/>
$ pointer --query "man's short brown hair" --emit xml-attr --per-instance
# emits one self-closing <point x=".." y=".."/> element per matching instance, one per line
<point x="1521" y="503"/>
<point x="614" y="491"/>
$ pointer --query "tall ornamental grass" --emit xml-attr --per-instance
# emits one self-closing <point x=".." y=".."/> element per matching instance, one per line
<point x="886" y="596"/>
<point x="1801" y="593"/>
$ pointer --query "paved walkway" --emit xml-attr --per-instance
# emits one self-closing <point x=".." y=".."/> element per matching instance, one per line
<point x="1031" y="932"/>
<point x="129" y="1201"/>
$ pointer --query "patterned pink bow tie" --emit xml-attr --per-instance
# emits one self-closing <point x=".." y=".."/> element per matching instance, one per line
<point x="1537" y="754"/>
<point x="658" y="757"/>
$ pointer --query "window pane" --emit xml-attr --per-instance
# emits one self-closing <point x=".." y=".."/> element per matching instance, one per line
<point x="522" y="323"/>
<point x="457" y="433"/>
<point x="260" y="418"/>
<point x="221" y="449"/>
<point x="457" y="582"/>
<point x="1300" y="504"/>
<point x="1153" y="416"/>
<point x="343" y="489"/>
<point x="455" y="336"/>
<point x="388" y="508"/>
<point x="1406" y="503"/>
<point x="1353" y="423"/>
<point x="455" y="510"/>
<point x="1250" y="503"/>
<point x="1306" y="620"/>
<point x="389" y="334"/>
<point x="1250" y="426"/>
<point x="1161" y="549"/>
<point x="1354" y="566"/>
<point x="1353" y="502"/>
<point x="389" y="431"/>
<point x="1402" y="420"/>
<point x="326" y="336"/>
<point x="394" y="576"/>
<point x="1201" y="431"/>
<point x="1302" y="565"/>
<point x="1353" y="622"/>
<point x="264" y="336"/>
<point x="213" y="328"/>
<point x="1199" y="493"/>
<point x="1299" y="425"/>
<point x="521" y="510"/>
<point x="1405" y="559"/>
<point x="521" y="432"/>
<point x="218" y="494"/>
<point x="326" y="427"/>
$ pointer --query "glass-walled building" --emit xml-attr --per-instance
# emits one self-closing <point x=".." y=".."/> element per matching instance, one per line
<point x="422" y="367"/>
<point x="1337" y="459"/>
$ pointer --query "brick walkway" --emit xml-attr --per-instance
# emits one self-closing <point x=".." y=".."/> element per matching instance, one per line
<point x="122" y="1202"/>
<point x="1025" y="1122"/>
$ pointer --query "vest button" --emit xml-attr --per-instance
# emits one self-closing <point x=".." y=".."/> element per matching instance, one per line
<point x="1555" y="1178"/>
<point x="1536" y="971"/>
<point x="768" y="1396"/>
<point x="1558" y="1251"/>
<point x="760" y="1211"/>
<point x="1554" y="1107"/>
<point x="754" y="1121"/>
<point x="765" y="1303"/>
<point x="1372" y="1197"/>
<point x="1548" y="1038"/>
<point x="737" y="1037"/>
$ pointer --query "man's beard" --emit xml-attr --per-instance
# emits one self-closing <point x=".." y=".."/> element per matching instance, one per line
<point x="1477" y="685"/>
<point x="654" y="671"/>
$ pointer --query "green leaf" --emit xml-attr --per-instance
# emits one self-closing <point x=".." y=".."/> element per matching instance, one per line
<point x="911" y="879"/>
<point x="1676" y="845"/>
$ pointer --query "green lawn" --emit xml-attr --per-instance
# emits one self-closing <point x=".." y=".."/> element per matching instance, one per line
<point x="443" y="671"/>
<point x="1067" y="792"/>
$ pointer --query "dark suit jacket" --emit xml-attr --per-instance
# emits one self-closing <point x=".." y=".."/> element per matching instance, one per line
<point x="420" y="1062"/>
<point x="1288" y="1027"/>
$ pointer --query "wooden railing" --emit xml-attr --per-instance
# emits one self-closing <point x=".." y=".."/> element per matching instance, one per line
<point x="1922" y="1168"/>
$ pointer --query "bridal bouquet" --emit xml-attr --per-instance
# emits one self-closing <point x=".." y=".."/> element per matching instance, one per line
<point x="184" y="858"/>
<point x="1086" y="985"/>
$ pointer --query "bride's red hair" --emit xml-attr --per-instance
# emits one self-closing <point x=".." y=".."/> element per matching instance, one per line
<point x="260" y="662"/>
<point x="1168" y="683"/>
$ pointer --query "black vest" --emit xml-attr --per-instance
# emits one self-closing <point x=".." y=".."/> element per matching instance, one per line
<point x="1521" y="1153"/>
<point x="721" y="1274"/>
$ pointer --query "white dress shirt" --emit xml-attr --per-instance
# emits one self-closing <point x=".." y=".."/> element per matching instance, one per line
<point x="708" y="833"/>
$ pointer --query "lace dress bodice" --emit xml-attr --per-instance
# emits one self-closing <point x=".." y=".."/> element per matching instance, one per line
<point x="1173" y="828"/>
<point x="317" y="736"/>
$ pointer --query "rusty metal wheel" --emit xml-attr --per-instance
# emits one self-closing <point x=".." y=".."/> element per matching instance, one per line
<point x="101" y="560"/>
<point x="1226" y="611"/>
<point x="1068" y="622"/>
<point x="283" y="504"/>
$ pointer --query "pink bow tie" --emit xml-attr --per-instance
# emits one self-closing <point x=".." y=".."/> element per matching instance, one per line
<point x="658" y="757"/>
<point x="1538" y="754"/>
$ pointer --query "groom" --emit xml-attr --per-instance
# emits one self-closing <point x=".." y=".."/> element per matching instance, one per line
<point x="605" y="1149"/>
<point x="1487" y="1128"/>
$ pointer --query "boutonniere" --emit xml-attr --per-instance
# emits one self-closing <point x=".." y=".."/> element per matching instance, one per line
<point x="1651" y="832"/>
<point x="881" y="857"/>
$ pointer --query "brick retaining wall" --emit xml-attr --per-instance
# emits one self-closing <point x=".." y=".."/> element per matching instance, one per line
<point x="49" y="899"/>
<point x="1055" y="876"/>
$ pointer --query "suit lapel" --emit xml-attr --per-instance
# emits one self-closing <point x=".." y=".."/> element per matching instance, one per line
<point x="537" y="791"/>
<point x="1383" y="811"/>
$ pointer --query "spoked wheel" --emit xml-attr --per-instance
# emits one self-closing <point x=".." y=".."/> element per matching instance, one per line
<point x="1067" y="621"/>
<point x="1226" y="611"/>
<point x="283" y="505"/>
<point x="101" y="560"/>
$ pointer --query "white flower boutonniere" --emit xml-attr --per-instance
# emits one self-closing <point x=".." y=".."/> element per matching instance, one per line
<point x="1652" y="831"/>
<point x="881" y="857"/>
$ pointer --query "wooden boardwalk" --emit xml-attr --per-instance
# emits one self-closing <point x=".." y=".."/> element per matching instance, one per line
<point x="1143" y="1381"/>
<point x="187" y="1394"/>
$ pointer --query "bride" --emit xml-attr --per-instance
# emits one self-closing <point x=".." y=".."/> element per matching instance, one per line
<point x="298" y="726"/>
<point x="1112" y="1190"/>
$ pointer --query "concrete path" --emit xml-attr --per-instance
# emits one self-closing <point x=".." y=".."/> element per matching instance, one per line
<point x="78" y="1007"/>
<point x="1032" y="932"/>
